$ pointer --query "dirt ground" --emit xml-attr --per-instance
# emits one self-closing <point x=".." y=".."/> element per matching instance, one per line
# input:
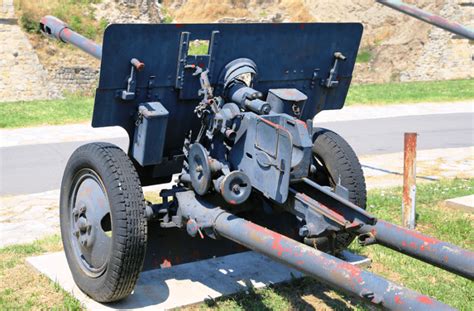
<point x="386" y="170"/>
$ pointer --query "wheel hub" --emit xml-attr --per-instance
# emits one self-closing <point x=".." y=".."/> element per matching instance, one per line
<point x="90" y="223"/>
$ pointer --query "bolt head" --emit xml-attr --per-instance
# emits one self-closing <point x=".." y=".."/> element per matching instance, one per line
<point x="304" y="231"/>
<point x="236" y="188"/>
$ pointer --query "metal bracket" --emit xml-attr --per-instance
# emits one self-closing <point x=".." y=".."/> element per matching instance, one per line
<point x="129" y="92"/>
<point x="332" y="81"/>
<point x="314" y="78"/>
<point x="212" y="49"/>
<point x="186" y="61"/>
<point x="182" y="58"/>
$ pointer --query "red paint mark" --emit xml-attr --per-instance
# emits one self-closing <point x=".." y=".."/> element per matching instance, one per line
<point x="271" y="123"/>
<point x="179" y="25"/>
<point x="353" y="271"/>
<point x="232" y="202"/>
<point x="166" y="263"/>
<point x="303" y="123"/>
<point x="67" y="33"/>
<point x="202" y="65"/>
<point x="404" y="243"/>
<point x="413" y="245"/>
<point x="398" y="300"/>
<point x="425" y="299"/>
<point x="339" y="217"/>
<point x="276" y="238"/>
<point x="302" y="26"/>
<point x="414" y="234"/>
<point x="300" y="262"/>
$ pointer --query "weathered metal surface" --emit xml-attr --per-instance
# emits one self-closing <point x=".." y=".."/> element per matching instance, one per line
<point x="430" y="18"/>
<point x="409" y="181"/>
<point x="249" y="155"/>
<point x="56" y="28"/>
<point x="324" y="267"/>
<point x="428" y="249"/>
<point x="305" y="53"/>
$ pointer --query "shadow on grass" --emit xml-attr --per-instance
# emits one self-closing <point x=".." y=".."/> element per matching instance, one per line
<point x="299" y="294"/>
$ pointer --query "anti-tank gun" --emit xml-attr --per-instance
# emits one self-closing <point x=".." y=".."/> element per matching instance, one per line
<point x="236" y="126"/>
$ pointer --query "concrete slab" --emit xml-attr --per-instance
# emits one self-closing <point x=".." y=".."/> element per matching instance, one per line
<point x="184" y="284"/>
<point x="465" y="204"/>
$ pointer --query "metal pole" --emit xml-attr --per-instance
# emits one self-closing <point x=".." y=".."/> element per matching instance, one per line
<point x="324" y="267"/>
<point x="409" y="181"/>
<point x="427" y="17"/>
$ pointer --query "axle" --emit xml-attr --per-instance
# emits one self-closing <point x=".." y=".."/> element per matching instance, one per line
<point x="322" y="266"/>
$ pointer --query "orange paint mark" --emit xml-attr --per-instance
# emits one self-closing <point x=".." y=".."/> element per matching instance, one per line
<point x="416" y="235"/>
<point x="165" y="264"/>
<point x="426" y="300"/>
<point x="67" y="33"/>
<point x="276" y="239"/>
<point x="353" y="271"/>
<point x="398" y="300"/>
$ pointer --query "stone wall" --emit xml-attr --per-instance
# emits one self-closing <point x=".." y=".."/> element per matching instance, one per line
<point x="73" y="80"/>
<point x="22" y="77"/>
<point x="444" y="55"/>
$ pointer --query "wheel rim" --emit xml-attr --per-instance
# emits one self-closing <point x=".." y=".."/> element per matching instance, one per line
<point x="90" y="223"/>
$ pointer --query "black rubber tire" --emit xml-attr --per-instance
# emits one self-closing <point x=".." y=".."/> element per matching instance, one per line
<point x="128" y="221"/>
<point x="339" y="165"/>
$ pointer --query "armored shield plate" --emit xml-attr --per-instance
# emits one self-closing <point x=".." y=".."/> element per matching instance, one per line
<point x="287" y="56"/>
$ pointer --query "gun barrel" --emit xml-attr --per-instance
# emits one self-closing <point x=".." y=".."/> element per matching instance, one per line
<point x="430" y="18"/>
<point x="55" y="28"/>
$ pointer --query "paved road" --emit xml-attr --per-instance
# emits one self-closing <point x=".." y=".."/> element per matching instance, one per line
<point x="38" y="168"/>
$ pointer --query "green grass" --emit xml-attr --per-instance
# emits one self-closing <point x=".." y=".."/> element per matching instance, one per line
<point x="79" y="14"/>
<point x="45" y="112"/>
<point x="23" y="288"/>
<point x="79" y="109"/>
<point x="411" y="92"/>
<point x="452" y="226"/>
<point x="198" y="47"/>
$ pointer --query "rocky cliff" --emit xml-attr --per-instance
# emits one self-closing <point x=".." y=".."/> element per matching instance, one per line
<point x="395" y="47"/>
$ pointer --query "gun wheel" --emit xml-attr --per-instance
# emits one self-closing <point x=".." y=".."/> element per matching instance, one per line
<point x="336" y="162"/>
<point x="103" y="224"/>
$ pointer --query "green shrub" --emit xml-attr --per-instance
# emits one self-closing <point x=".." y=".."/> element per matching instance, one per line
<point x="29" y="24"/>
<point x="365" y="56"/>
